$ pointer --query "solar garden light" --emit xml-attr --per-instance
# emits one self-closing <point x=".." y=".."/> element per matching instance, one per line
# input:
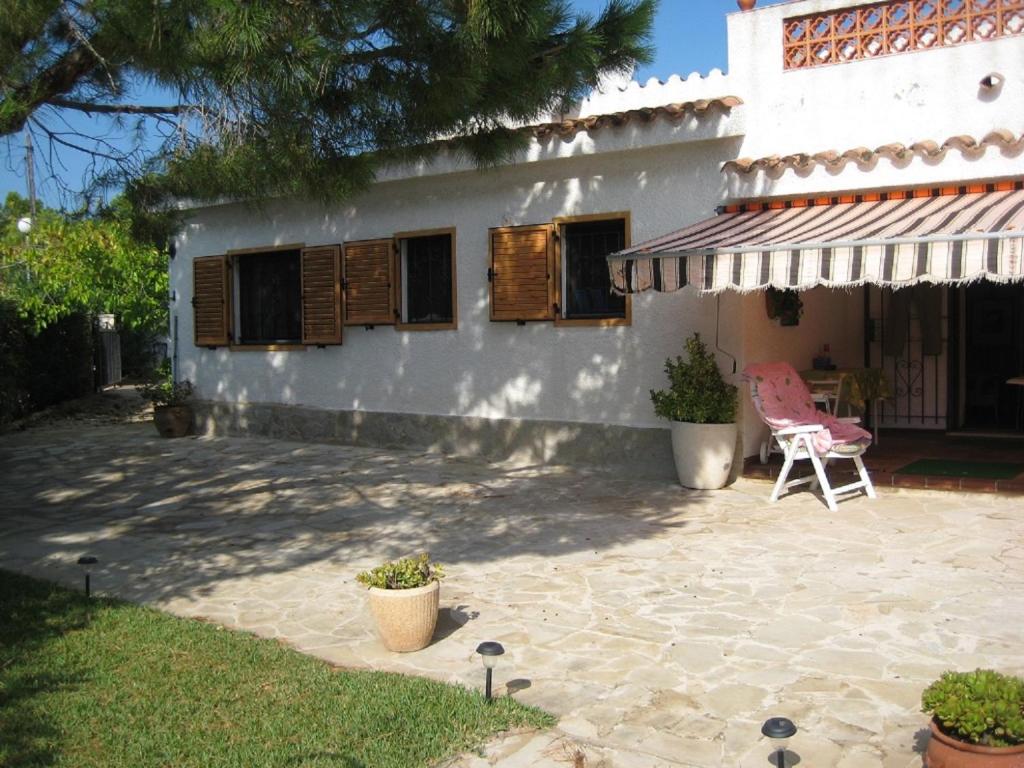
<point x="489" y="653"/>
<point x="87" y="562"/>
<point x="779" y="730"/>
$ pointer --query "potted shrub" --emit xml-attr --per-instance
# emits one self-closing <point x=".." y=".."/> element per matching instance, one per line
<point x="172" y="413"/>
<point x="404" y="598"/>
<point x="702" y="409"/>
<point x="977" y="720"/>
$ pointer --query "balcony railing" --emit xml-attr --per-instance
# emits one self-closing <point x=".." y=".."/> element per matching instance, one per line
<point x="895" y="26"/>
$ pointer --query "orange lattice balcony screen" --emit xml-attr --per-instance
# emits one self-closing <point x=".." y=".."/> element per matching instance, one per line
<point x="895" y="26"/>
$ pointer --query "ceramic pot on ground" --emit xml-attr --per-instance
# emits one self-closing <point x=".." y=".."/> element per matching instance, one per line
<point x="172" y="420"/>
<point x="405" y="617"/>
<point x="703" y="453"/>
<point x="946" y="752"/>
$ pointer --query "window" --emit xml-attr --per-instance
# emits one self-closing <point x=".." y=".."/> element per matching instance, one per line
<point x="426" y="297"/>
<point x="559" y="271"/>
<point x="586" y="283"/>
<point x="266" y="298"/>
<point x="269" y="297"/>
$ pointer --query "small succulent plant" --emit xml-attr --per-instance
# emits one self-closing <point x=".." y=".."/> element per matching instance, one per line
<point x="407" y="573"/>
<point x="165" y="390"/>
<point x="980" y="707"/>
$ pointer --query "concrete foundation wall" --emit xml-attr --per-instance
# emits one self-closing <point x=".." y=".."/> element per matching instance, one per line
<point x="638" y="451"/>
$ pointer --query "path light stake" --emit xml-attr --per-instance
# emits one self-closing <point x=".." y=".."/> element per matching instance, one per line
<point x="489" y="652"/>
<point x="87" y="562"/>
<point x="779" y="730"/>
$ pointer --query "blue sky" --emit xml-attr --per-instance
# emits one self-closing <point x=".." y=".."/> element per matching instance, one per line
<point x="689" y="36"/>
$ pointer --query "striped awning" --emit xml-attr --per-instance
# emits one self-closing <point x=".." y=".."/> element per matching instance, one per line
<point x="949" y="235"/>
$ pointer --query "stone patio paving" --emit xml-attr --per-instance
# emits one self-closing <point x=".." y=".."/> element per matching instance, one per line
<point x="662" y="626"/>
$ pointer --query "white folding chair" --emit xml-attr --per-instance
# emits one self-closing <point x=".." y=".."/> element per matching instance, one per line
<point x="797" y="442"/>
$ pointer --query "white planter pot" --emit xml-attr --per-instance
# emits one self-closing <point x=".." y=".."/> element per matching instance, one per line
<point x="703" y="453"/>
<point x="405" y="617"/>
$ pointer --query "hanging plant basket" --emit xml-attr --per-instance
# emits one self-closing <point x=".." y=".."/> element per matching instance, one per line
<point x="784" y="305"/>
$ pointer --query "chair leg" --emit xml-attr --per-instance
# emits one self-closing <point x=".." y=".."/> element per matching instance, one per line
<point x="815" y="483"/>
<point x="826" y="489"/>
<point x="869" y="488"/>
<point x="790" y="454"/>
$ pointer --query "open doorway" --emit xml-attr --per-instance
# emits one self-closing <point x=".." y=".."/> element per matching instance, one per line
<point x="990" y="341"/>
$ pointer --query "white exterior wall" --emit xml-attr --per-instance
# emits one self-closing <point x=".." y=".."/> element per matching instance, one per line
<point x="488" y="369"/>
<point x="906" y="98"/>
<point x="667" y="175"/>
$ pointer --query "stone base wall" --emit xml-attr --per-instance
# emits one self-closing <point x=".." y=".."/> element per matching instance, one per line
<point x="641" y="452"/>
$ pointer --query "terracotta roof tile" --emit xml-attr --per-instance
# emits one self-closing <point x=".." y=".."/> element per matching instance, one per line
<point x="832" y="159"/>
<point x="566" y="129"/>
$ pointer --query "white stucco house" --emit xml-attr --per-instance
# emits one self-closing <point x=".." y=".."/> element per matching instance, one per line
<point x="471" y="311"/>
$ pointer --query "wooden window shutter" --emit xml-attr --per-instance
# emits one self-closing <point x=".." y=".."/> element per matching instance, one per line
<point x="369" y="281"/>
<point x="211" y="294"/>
<point x="522" y="273"/>
<point x="321" y="295"/>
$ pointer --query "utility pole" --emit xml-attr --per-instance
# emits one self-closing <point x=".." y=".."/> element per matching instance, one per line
<point x="30" y="174"/>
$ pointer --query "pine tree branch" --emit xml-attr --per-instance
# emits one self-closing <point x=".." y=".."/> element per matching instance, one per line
<point x="120" y="109"/>
<point x="60" y="77"/>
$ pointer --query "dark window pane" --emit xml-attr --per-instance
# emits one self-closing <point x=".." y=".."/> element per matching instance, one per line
<point x="587" y="281"/>
<point x="428" y="275"/>
<point x="269" y="298"/>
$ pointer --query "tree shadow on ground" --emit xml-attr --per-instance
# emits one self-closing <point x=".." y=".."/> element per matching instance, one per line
<point x="32" y="615"/>
<point x="173" y="518"/>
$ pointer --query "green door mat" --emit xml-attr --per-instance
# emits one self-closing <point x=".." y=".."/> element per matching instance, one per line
<point x="992" y="470"/>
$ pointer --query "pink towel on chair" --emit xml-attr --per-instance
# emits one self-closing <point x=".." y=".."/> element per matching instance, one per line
<point x="783" y="400"/>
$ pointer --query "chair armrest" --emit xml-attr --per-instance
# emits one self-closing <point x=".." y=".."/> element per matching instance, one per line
<point x="850" y="419"/>
<point x="804" y="429"/>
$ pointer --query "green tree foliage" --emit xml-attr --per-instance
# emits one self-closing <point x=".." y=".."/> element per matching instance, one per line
<point x="272" y="97"/>
<point x="90" y="265"/>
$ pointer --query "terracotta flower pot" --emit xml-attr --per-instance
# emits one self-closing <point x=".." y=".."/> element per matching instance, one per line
<point x="946" y="752"/>
<point x="172" y="420"/>
<point x="405" y="617"/>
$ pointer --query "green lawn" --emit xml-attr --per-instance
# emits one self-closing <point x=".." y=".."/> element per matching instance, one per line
<point x="129" y="686"/>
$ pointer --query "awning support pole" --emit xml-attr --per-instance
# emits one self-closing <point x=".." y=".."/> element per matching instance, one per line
<point x="718" y="324"/>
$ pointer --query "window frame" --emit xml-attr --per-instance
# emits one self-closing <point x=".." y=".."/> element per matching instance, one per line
<point x="232" y="256"/>
<point x="399" y="287"/>
<point x="560" y="223"/>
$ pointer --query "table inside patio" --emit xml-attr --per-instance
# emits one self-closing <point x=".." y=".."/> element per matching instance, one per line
<point x="859" y="388"/>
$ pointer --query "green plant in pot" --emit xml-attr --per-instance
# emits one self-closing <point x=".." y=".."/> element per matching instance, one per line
<point x="784" y="305"/>
<point x="404" y="598"/>
<point x="701" y="407"/>
<point x="977" y="720"/>
<point x="172" y="410"/>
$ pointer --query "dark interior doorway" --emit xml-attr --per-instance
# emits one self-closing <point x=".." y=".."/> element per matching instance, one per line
<point x="992" y="344"/>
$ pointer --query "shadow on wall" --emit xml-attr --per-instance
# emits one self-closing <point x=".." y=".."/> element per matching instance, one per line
<point x="485" y="369"/>
<point x="172" y="519"/>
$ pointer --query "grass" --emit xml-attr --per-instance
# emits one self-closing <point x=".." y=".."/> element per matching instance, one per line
<point x="107" y="683"/>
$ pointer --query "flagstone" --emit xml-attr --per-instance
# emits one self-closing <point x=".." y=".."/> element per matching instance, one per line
<point x="662" y="626"/>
